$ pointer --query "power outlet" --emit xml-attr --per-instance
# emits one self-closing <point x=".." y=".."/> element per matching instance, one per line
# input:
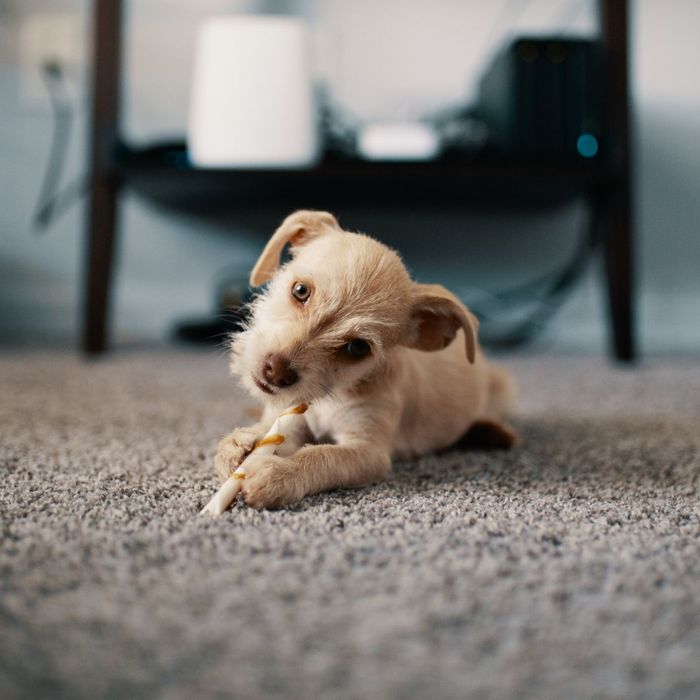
<point x="51" y="37"/>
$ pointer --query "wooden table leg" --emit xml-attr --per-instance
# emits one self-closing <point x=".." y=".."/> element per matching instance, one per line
<point x="104" y="181"/>
<point x="619" y="238"/>
<point x="99" y="264"/>
<point x="618" y="254"/>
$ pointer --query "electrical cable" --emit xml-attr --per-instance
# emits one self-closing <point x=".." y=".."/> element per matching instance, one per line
<point x="553" y="290"/>
<point x="566" y="14"/>
<point x="51" y="202"/>
<point x="510" y="13"/>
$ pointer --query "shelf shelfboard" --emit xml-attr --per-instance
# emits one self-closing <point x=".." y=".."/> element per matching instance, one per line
<point x="163" y="175"/>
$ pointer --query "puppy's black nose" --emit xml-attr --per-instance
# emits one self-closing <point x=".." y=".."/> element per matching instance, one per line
<point x="278" y="371"/>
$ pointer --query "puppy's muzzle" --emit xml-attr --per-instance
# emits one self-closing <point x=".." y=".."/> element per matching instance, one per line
<point x="277" y="370"/>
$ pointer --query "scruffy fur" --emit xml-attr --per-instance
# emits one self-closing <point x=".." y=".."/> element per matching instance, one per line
<point x="416" y="391"/>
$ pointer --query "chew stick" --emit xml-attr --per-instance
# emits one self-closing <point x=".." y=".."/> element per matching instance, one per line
<point x="283" y="438"/>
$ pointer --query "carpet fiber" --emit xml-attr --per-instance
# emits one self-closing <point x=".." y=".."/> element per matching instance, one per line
<point x="569" y="567"/>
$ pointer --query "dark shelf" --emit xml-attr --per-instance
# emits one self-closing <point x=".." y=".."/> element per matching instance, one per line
<point x="164" y="175"/>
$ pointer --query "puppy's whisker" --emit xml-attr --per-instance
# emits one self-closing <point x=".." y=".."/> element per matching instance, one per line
<point x="330" y="394"/>
<point x="224" y="346"/>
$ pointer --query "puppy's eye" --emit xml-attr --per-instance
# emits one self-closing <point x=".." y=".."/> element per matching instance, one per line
<point x="356" y="348"/>
<point x="301" y="292"/>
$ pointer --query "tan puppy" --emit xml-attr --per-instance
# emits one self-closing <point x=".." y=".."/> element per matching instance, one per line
<point x="343" y="328"/>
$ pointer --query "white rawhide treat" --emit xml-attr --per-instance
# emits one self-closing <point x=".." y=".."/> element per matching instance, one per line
<point x="284" y="438"/>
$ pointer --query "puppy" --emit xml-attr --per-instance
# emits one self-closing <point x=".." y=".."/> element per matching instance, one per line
<point x="390" y="367"/>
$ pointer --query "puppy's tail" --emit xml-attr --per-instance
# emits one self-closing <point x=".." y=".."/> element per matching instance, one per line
<point x="502" y="392"/>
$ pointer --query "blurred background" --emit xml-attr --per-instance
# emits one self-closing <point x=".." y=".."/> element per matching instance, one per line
<point x="378" y="62"/>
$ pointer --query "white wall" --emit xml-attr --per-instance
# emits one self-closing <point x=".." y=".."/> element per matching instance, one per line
<point x="388" y="59"/>
<point x="667" y="94"/>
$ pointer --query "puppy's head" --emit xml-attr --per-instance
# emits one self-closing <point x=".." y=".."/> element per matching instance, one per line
<point x="334" y="314"/>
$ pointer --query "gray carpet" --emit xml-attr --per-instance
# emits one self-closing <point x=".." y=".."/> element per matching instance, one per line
<point x="568" y="568"/>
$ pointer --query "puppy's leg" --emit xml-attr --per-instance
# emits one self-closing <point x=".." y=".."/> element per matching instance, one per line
<point x="236" y="446"/>
<point x="491" y="431"/>
<point x="273" y="481"/>
<point x="489" y="434"/>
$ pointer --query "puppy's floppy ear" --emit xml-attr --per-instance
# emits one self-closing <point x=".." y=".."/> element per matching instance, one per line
<point x="436" y="316"/>
<point x="297" y="229"/>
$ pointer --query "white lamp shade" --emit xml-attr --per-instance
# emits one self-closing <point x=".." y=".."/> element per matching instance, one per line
<point x="252" y="101"/>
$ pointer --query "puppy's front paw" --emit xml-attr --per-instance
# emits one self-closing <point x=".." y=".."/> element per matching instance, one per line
<point x="232" y="450"/>
<point x="271" y="482"/>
